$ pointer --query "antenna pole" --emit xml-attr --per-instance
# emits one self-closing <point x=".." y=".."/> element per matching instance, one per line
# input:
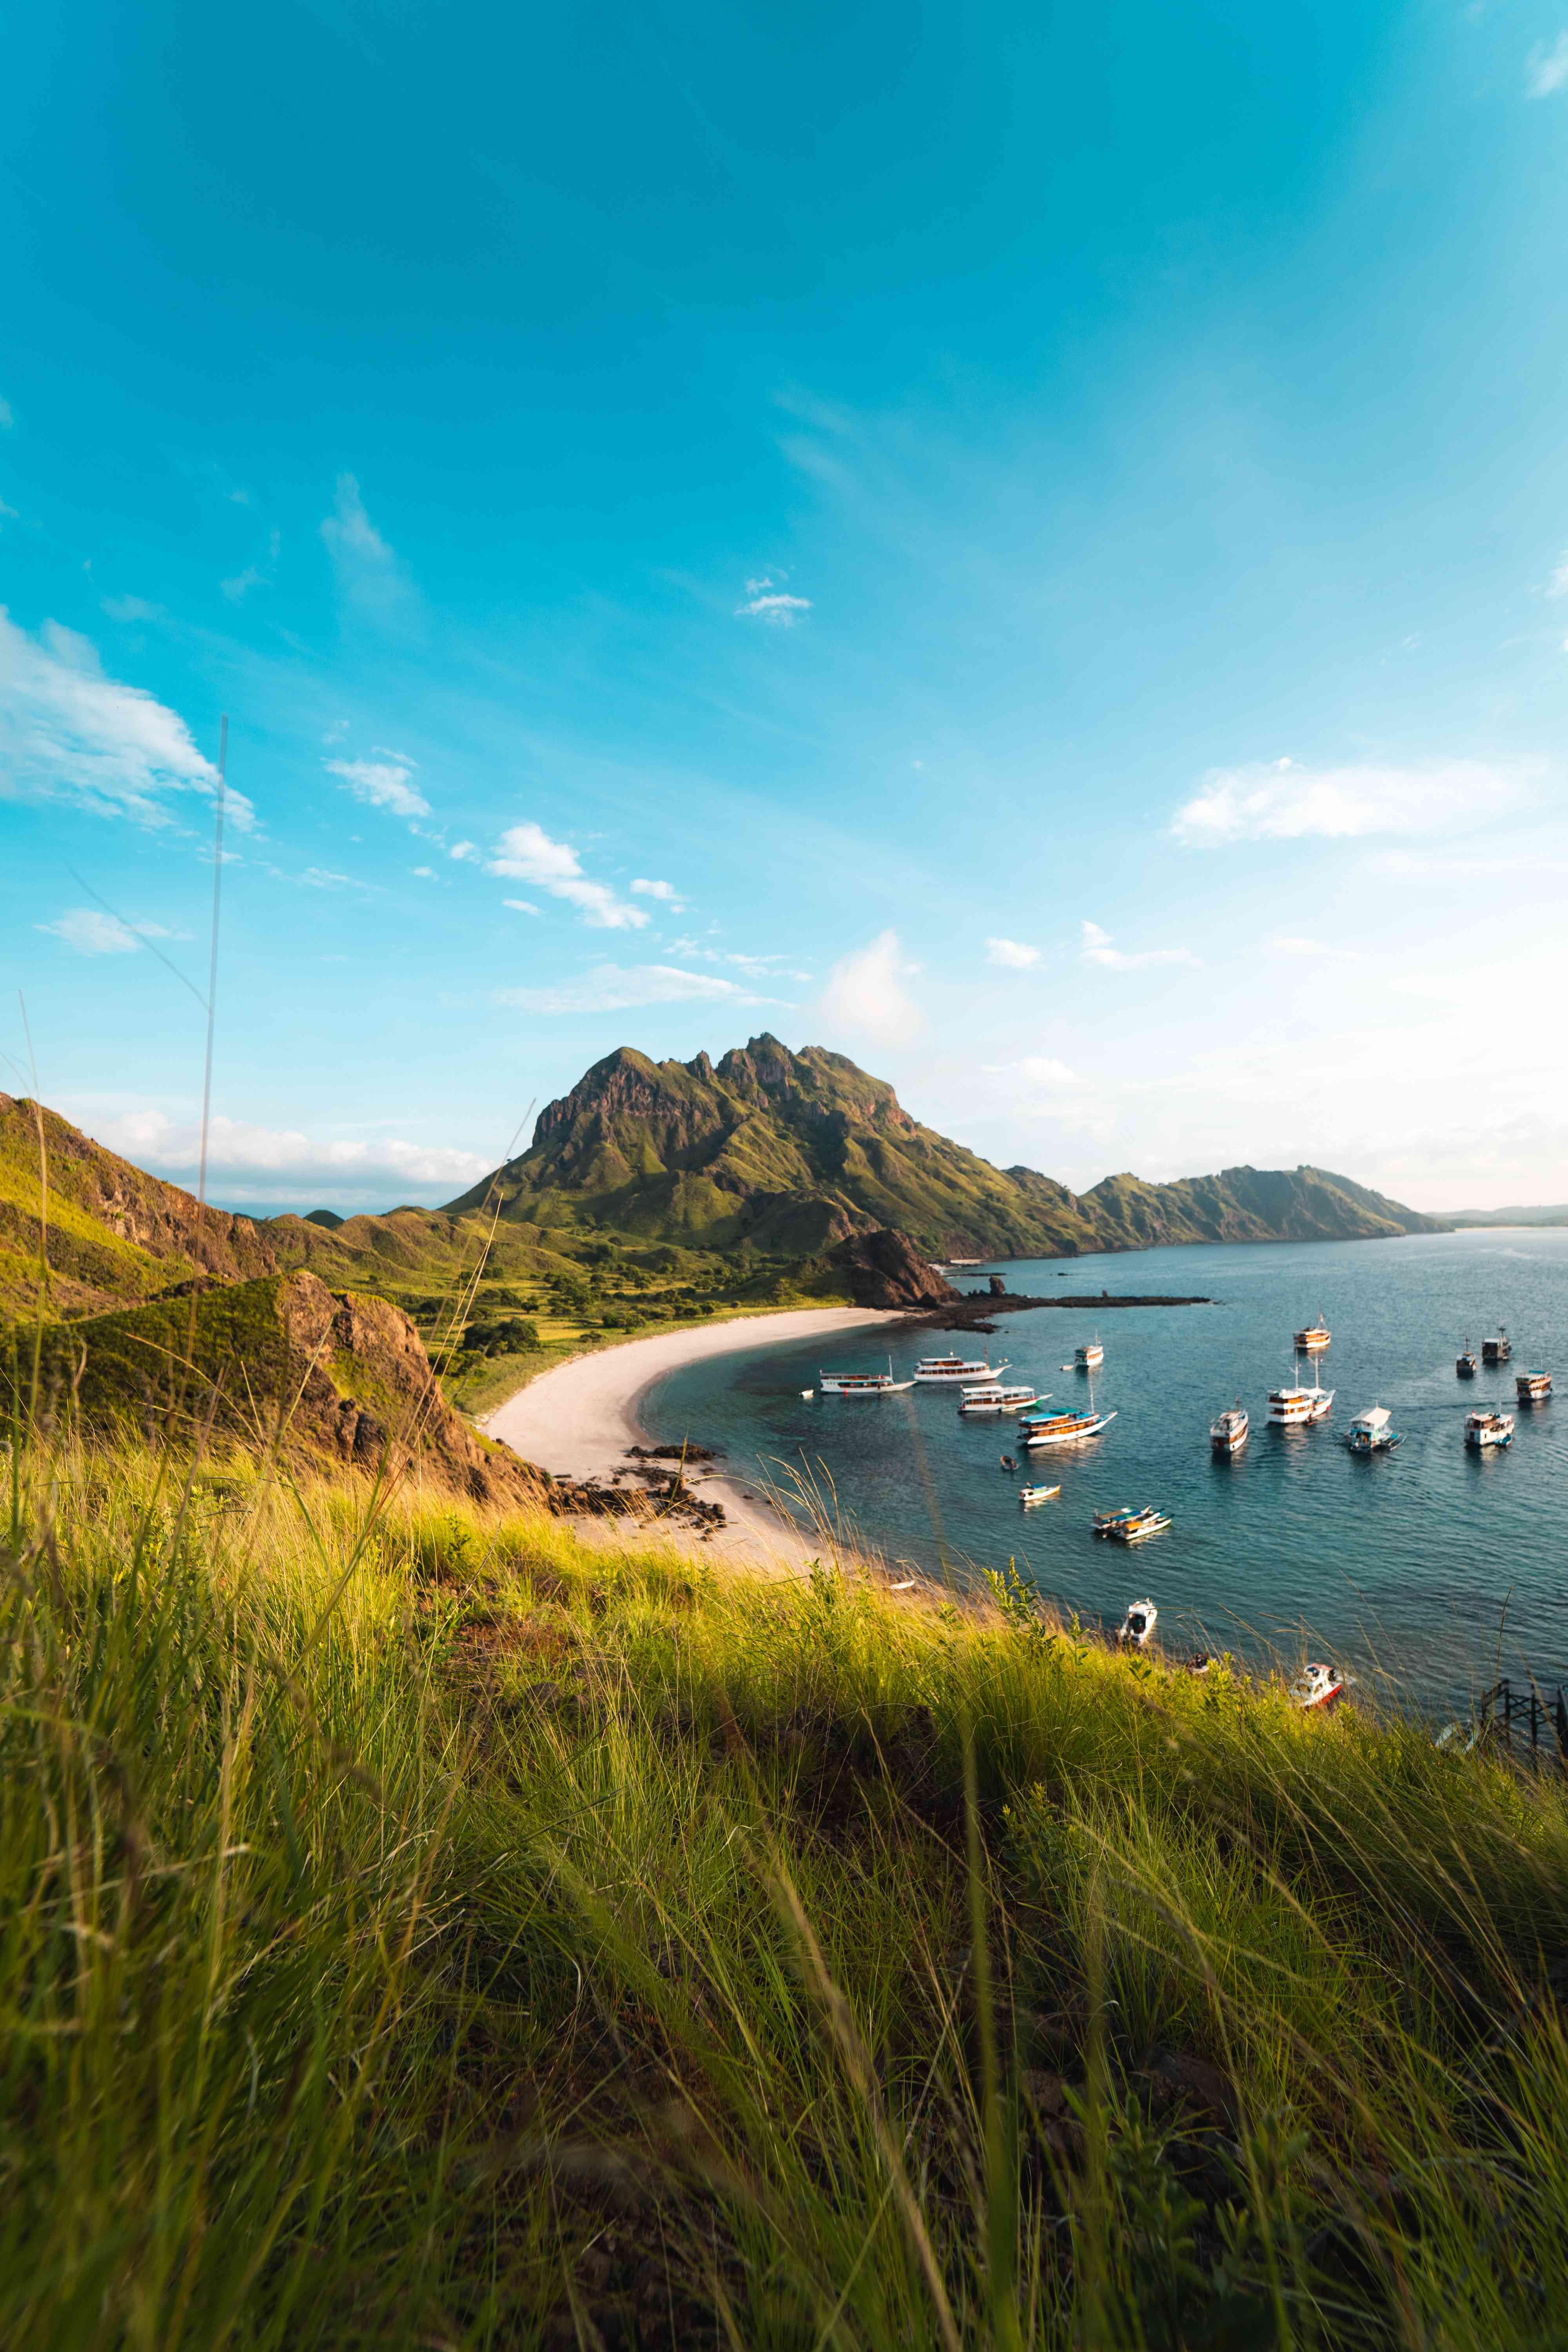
<point x="212" y="962"/>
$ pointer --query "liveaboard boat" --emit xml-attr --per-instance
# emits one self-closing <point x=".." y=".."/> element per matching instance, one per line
<point x="1297" y="1406"/>
<point x="955" y="1371"/>
<point x="1086" y="1358"/>
<point x="1465" y="1362"/>
<point x="1314" y="1338"/>
<point x="1228" y="1433"/>
<point x="861" y="1383"/>
<point x="994" y="1396"/>
<point x="1137" y="1628"/>
<point x="1028" y="1495"/>
<point x="1037" y="1430"/>
<point x="1130" y="1527"/>
<point x="1316" y="1686"/>
<point x="1372" y="1432"/>
<point x="1485" y="1428"/>
<point x="1532" y="1388"/>
<point x="1497" y="1351"/>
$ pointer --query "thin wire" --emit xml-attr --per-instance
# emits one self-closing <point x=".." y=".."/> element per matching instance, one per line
<point x="151" y="945"/>
<point x="212" y="965"/>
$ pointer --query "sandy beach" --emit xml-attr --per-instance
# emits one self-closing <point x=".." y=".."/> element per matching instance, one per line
<point x="579" y="1418"/>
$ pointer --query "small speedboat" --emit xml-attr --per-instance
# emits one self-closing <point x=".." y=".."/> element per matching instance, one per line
<point x="1532" y="1388"/>
<point x="1228" y="1433"/>
<point x="1316" y="1686"/>
<point x="1086" y="1357"/>
<point x="1488" y="1428"/>
<point x="1372" y="1432"/>
<point x="1497" y="1351"/>
<point x="1028" y="1495"/>
<point x="1129" y="1526"/>
<point x="1314" y="1338"/>
<point x="1465" y="1362"/>
<point x="1009" y="1463"/>
<point x="1137" y="1628"/>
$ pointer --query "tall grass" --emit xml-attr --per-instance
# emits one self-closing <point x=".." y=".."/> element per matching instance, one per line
<point x="417" y="1929"/>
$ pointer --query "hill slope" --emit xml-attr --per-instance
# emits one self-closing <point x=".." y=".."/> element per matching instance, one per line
<point x="793" y="1152"/>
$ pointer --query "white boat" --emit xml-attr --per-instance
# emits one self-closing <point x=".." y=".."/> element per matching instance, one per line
<point x="1314" y="1338"/>
<point x="1137" y="1628"/>
<point x="861" y="1383"/>
<point x="1532" y="1388"/>
<point x="1086" y="1357"/>
<point x="1130" y="1527"/>
<point x="1484" y="1428"/>
<point x="1228" y="1433"/>
<point x="1297" y="1406"/>
<point x="994" y="1397"/>
<point x="1372" y="1432"/>
<point x="1316" y="1686"/>
<point x="1028" y="1495"/>
<point x="957" y="1371"/>
<point x="1063" y="1428"/>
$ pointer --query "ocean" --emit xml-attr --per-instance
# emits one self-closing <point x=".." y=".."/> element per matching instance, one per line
<point x="1430" y="1569"/>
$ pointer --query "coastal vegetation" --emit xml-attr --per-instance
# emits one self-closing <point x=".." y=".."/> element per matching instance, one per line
<point x="418" y="1929"/>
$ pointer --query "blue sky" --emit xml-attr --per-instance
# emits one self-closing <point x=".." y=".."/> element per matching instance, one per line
<point x="1029" y="546"/>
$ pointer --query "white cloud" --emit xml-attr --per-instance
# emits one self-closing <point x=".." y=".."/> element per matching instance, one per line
<point x="1277" y="801"/>
<point x="613" y="988"/>
<point x="1034" y="1070"/>
<point x="464" y="849"/>
<point x="865" y="993"/>
<point x="91" y="933"/>
<point x="69" y="731"/>
<point x="246" y="1161"/>
<point x="1011" y="955"/>
<point x="368" y="571"/>
<point x="522" y="906"/>
<point x="525" y="853"/>
<point x="321" y="877"/>
<point x="666" y="892"/>
<point x="249" y="578"/>
<point x="381" y="784"/>
<point x="423" y="873"/>
<point x="766" y="601"/>
<point x="1547" y="69"/>
<point x="1098" y="949"/>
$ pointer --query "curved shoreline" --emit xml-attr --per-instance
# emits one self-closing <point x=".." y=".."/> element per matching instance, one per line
<point x="579" y="1418"/>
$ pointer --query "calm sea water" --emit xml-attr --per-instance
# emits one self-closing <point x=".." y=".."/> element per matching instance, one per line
<point x="1432" y="1565"/>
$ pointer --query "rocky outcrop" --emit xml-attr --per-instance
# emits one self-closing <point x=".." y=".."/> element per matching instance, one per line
<point x="885" y="1269"/>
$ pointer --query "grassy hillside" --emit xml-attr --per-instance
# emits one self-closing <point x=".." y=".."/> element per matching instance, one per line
<point x="416" y="1931"/>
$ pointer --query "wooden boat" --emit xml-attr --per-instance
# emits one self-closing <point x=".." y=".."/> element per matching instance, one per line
<point x="1063" y="1428"/>
<point x="955" y="1371"/>
<point x="1465" y="1362"/>
<point x="1314" y="1338"/>
<point x="1086" y="1357"/>
<point x="1488" y="1428"/>
<point x="1372" y="1432"/>
<point x="994" y="1397"/>
<point x="1228" y="1433"/>
<point x="1532" y="1388"/>
<point x="1130" y="1527"/>
<point x="1297" y="1407"/>
<point x="861" y="1383"/>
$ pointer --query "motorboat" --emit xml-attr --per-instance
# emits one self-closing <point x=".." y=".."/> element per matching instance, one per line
<point x="1028" y="1495"/>
<point x="1372" y="1432"/>
<point x="1314" y="1338"/>
<point x="1130" y="1527"/>
<point x="1228" y="1433"/>
<point x="1062" y="1428"/>
<point x="957" y="1371"/>
<point x="861" y="1383"/>
<point x="994" y="1396"/>
<point x="1497" y="1351"/>
<point x="1465" y="1362"/>
<point x="1088" y="1356"/>
<point x="1137" y="1628"/>
<point x="1532" y="1388"/>
<point x="1487" y="1427"/>
<point x="1297" y="1406"/>
<point x="1008" y="1462"/>
<point x="1316" y="1686"/>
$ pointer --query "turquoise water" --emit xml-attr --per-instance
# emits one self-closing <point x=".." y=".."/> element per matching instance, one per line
<point x="1432" y="1564"/>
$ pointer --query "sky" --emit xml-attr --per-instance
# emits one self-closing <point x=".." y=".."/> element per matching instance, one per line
<point x="1025" y="545"/>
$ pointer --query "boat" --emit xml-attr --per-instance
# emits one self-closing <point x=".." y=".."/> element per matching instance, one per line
<point x="1008" y="1462"/>
<point x="1532" y="1388"/>
<point x="1028" y="1495"/>
<point x="1297" y="1407"/>
<point x="861" y="1383"/>
<point x="1316" y="1686"/>
<point x="1372" y="1432"/>
<point x="1130" y="1527"/>
<point x="1086" y="1357"/>
<point x="1497" y="1351"/>
<point x="1314" y="1338"/>
<point x="1137" y="1628"/>
<point x="1465" y="1362"/>
<point x="955" y="1371"/>
<point x="994" y="1396"/>
<point x="1487" y="1427"/>
<point x="1063" y="1428"/>
<point x="1229" y="1435"/>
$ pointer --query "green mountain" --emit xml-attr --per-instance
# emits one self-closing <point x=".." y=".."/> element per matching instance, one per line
<point x="787" y="1154"/>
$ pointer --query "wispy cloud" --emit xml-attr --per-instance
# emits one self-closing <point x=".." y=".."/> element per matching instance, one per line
<point x="1034" y="1070"/>
<point x="254" y="575"/>
<point x="665" y="892"/>
<point x="381" y="784"/>
<point x="1098" y="949"/>
<point x="1546" y="70"/>
<point x="89" y="933"/>
<point x="245" y="1160"/>
<point x="369" y="573"/>
<point x="128" y="609"/>
<point x="866" y="992"/>
<point x="69" y="731"/>
<point x="522" y="906"/>
<point x="1278" y="800"/>
<point x="525" y="853"/>
<point x="614" y="988"/>
<point x="321" y="877"/>
<point x="766" y="601"/>
<point x="464" y="849"/>
<point x="1011" y="955"/>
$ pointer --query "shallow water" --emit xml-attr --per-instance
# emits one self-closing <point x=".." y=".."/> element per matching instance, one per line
<point x="1432" y="1565"/>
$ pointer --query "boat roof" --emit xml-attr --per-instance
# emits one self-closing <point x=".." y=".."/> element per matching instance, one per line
<point x="1374" y="1418"/>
